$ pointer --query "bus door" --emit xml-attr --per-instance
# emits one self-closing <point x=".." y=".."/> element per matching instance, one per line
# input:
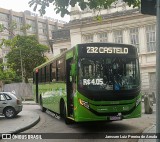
<point x="70" y="79"/>
<point x="69" y="85"/>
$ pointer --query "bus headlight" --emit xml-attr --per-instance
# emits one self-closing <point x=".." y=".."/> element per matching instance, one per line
<point x="84" y="103"/>
<point x="138" y="101"/>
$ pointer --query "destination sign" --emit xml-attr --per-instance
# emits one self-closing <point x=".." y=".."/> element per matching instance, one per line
<point x="108" y="50"/>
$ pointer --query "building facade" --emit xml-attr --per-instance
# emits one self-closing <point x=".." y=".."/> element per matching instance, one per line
<point x="42" y="27"/>
<point x="61" y="40"/>
<point x="120" y="24"/>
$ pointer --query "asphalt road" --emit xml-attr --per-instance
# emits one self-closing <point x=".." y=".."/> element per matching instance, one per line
<point x="50" y="123"/>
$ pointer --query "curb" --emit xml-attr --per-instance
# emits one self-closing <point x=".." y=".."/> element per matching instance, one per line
<point x="23" y="128"/>
<point x="27" y="127"/>
<point x="29" y="103"/>
<point x="149" y="128"/>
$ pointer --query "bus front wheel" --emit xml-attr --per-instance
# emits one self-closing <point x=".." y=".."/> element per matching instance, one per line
<point x="64" y="114"/>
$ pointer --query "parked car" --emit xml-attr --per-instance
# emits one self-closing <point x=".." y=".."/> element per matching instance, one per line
<point x="10" y="105"/>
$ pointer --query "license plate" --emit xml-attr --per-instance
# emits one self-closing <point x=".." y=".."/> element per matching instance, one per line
<point x="115" y="118"/>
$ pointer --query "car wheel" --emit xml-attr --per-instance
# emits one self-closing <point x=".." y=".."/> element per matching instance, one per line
<point x="9" y="112"/>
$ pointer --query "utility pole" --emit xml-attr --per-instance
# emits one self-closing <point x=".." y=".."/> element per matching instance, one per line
<point x="158" y="70"/>
<point x="21" y="65"/>
<point x="152" y="7"/>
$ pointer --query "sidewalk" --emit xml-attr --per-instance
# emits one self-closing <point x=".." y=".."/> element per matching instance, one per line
<point x="151" y="129"/>
<point x="23" y="121"/>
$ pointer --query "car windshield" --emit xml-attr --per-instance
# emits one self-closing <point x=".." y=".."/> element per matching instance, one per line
<point x="108" y="73"/>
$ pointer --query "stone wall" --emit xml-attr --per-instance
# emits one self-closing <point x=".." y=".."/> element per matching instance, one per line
<point x="22" y="90"/>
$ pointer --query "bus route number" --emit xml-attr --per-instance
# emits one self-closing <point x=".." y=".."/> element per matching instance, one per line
<point x="107" y="50"/>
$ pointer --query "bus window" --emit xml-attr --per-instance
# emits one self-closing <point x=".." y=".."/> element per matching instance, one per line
<point x="44" y="74"/>
<point x="48" y="73"/>
<point x="61" y="69"/>
<point x="40" y="75"/>
<point x="54" y="71"/>
<point x="109" y="74"/>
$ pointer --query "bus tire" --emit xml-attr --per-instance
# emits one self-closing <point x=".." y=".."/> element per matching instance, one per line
<point x="67" y="121"/>
<point x="61" y="108"/>
<point x="41" y="104"/>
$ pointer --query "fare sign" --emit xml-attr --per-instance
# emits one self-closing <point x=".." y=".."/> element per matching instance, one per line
<point x="107" y="50"/>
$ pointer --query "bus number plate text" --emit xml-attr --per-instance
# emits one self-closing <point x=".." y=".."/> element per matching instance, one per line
<point x="115" y="118"/>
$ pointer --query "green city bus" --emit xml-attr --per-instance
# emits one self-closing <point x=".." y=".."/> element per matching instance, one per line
<point x="91" y="82"/>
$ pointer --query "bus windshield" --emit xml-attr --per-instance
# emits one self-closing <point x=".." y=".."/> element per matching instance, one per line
<point x="114" y="73"/>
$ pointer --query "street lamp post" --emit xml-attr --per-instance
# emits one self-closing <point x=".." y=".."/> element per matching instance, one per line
<point x="158" y="71"/>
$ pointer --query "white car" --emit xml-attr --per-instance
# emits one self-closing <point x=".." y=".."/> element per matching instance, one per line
<point x="10" y="105"/>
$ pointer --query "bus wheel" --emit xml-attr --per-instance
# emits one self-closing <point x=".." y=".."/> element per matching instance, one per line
<point x="67" y="121"/>
<point x="41" y="104"/>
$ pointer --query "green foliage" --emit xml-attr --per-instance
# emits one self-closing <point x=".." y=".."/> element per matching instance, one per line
<point x="61" y="6"/>
<point x="8" y="75"/>
<point x="25" y="27"/>
<point x="12" y="26"/>
<point x="1" y="27"/>
<point x="25" y="49"/>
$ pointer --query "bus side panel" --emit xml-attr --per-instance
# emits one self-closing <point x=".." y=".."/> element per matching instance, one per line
<point x="51" y="95"/>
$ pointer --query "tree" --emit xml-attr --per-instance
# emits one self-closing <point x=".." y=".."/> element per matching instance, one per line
<point x="13" y="26"/>
<point x="8" y="75"/>
<point x="62" y="6"/>
<point x="26" y="53"/>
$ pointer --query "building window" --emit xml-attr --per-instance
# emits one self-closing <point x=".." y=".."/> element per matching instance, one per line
<point x="134" y="38"/>
<point x="40" y="25"/>
<point x="52" y="27"/>
<point x="88" y="38"/>
<point x="102" y="37"/>
<point x="18" y="20"/>
<point x="151" y="38"/>
<point x="4" y="17"/>
<point x="33" y="26"/>
<point x="4" y="23"/>
<point x="118" y="36"/>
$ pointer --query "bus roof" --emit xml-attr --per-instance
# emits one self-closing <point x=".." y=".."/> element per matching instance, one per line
<point x="52" y="59"/>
